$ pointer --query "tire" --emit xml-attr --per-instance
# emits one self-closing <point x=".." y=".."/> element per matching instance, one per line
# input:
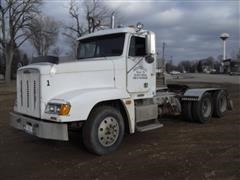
<point x="187" y="111"/>
<point x="202" y="110"/>
<point x="220" y="103"/>
<point x="104" y="130"/>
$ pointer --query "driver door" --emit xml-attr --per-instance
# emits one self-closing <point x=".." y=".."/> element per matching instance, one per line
<point x="138" y="70"/>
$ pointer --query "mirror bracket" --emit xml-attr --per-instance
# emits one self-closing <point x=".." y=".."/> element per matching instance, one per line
<point x="149" y="58"/>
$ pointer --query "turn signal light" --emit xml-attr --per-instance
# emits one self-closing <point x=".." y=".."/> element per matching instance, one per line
<point x="65" y="109"/>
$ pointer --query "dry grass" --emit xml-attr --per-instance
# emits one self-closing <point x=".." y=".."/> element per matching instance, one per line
<point x="7" y="91"/>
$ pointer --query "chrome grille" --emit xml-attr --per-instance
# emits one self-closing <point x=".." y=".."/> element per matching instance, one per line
<point x="28" y="92"/>
<point x="21" y="93"/>
<point x="34" y="94"/>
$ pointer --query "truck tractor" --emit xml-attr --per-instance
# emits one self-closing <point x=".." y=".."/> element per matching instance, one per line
<point x="108" y="90"/>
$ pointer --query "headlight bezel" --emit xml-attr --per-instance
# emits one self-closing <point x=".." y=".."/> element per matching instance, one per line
<point x="61" y="109"/>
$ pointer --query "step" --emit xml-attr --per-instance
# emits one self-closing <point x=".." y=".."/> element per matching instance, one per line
<point x="149" y="127"/>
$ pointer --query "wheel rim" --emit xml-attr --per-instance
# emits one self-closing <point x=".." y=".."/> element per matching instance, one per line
<point x="206" y="108"/>
<point x="223" y="104"/>
<point x="108" y="131"/>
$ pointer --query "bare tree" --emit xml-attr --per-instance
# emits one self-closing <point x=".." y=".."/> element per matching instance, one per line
<point x="43" y="33"/>
<point x="56" y="51"/>
<point x="88" y="16"/>
<point x="97" y="15"/>
<point x="16" y="16"/>
<point x="75" y="29"/>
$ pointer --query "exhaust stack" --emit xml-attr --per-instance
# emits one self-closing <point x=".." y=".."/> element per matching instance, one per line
<point x="113" y="21"/>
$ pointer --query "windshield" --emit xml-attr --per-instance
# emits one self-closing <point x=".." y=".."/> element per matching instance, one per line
<point x="101" y="46"/>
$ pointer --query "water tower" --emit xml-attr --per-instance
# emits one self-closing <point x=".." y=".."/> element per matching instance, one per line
<point x="224" y="37"/>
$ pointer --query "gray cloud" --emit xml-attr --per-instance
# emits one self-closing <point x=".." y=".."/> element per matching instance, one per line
<point x="191" y="29"/>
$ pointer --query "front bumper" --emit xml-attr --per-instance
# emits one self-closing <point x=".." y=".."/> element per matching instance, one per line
<point x="41" y="129"/>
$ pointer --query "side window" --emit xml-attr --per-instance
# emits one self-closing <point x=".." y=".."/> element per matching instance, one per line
<point x="137" y="46"/>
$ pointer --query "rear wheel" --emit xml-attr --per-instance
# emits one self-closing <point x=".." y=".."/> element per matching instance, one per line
<point x="219" y="103"/>
<point x="202" y="110"/>
<point x="103" y="131"/>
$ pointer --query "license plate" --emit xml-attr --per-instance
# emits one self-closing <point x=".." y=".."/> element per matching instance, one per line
<point x="28" y="128"/>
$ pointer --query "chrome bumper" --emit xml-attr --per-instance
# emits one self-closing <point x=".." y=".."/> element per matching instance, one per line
<point x="41" y="129"/>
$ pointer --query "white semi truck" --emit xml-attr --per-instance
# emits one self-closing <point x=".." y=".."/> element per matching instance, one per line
<point x="110" y="89"/>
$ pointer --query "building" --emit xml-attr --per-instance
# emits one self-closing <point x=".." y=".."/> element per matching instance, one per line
<point x="231" y="66"/>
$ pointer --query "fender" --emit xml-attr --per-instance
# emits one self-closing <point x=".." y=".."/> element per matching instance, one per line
<point x="82" y="101"/>
<point x="196" y="94"/>
<point x="130" y="110"/>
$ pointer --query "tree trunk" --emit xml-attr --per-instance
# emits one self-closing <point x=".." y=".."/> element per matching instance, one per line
<point x="9" y="59"/>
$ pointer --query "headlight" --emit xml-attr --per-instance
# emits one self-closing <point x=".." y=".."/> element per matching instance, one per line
<point x="59" y="109"/>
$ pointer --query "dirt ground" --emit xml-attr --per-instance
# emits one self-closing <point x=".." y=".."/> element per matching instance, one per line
<point x="179" y="150"/>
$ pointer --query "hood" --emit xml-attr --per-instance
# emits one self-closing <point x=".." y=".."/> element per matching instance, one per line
<point x="96" y="64"/>
<point x="74" y="66"/>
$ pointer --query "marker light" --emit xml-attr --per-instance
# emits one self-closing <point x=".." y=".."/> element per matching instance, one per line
<point x="139" y="26"/>
<point x="65" y="109"/>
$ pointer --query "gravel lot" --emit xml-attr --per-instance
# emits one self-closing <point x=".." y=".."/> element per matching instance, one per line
<point x="179" y="150"/>
<point x="206" y="78"/>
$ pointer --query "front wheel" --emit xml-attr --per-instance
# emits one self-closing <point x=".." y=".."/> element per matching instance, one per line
<point x="104" y="130"/>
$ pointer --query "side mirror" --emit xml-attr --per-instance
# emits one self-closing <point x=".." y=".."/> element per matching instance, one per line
<point x="150" y="43"/>
<point x="150" y="47"/>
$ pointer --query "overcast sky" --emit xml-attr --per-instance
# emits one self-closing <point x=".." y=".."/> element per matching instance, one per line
<point x="191" y="29"/>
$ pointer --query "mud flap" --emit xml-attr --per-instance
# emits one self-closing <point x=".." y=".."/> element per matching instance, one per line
<point x="229" y="104"/>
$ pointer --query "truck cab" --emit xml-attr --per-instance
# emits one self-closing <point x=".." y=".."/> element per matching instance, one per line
<point x="109" y="89"/>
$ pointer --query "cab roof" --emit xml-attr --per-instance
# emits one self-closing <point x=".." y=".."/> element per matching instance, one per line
<point x="109" y="31"/>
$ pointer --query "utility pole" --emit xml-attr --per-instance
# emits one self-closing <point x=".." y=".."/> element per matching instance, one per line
<point x="163" y="50"/>
<point x="163" y="55"/>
